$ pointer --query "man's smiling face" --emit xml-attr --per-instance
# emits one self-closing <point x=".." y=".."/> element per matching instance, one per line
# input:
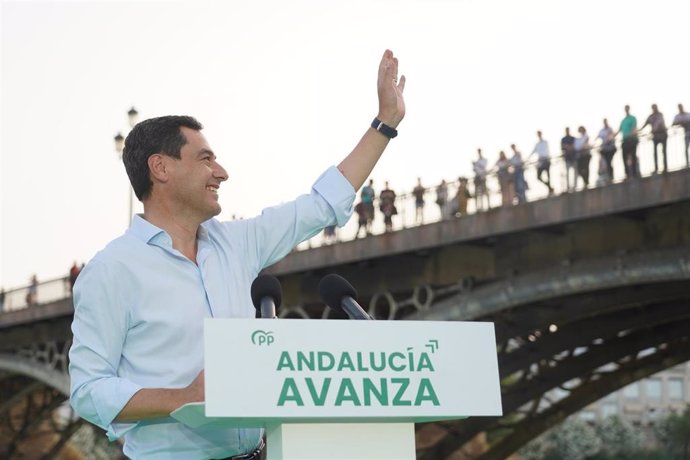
<point x="196" y="177"/>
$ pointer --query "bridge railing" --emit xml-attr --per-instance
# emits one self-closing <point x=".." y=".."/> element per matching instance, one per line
<point x="46" y="292"/>
<point x="405" y="202"/>
<point x="59" y="288"/>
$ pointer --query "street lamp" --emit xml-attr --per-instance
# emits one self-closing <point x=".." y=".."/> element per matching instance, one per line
<point x="133" y="115"/>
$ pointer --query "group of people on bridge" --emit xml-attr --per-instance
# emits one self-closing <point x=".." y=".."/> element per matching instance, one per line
<point x="509" y="172"/>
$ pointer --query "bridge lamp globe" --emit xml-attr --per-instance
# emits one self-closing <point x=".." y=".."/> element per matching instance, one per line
<point x="133" y="116"/>
<point x="119" y="143"/>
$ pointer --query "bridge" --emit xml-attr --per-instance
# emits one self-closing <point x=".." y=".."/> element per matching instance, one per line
<point x="588" y="292"/>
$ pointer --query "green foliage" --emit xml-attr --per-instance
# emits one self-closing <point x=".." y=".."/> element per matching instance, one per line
<point x="572" y="440"/>
<point x="576" y="440"/>
<point x="537" y="449"/>
<point x="612" y="439"/>
<point x="673" y="434"/>
<point x="92" y="441"/>
<point x="639" y="455"/>
<point x="618" y="437"/>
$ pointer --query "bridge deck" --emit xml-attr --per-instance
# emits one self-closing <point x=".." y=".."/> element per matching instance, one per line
<point x="625" y="197"/>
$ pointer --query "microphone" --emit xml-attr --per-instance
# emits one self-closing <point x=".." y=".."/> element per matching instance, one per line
<point x="338" y="294"/>
<point x="266" y="295"/>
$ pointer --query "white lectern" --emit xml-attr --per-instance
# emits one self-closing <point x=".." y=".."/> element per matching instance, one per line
<point x="344" y="389"/>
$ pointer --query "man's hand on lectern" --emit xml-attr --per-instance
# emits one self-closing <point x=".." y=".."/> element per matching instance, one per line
<point x="195" y="390"/>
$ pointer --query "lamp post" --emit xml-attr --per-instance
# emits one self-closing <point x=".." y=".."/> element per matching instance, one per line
<point x="133" y="116"/>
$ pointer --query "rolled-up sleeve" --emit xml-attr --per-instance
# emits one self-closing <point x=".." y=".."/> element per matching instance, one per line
<point x="99" y="329"/>
<point x="280" y="228"/>
<point x="338" y="192"/>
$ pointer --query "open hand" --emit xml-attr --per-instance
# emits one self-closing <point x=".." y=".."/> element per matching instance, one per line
<point x="390" y="91"/>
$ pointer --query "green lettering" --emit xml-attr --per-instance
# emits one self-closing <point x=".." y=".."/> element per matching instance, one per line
<point x="304" y="360"/>
<point x="347" y="392"/>
<point x="290" y="392"/>
<point x="346" y="362"/>
<point x="381" y="365"/>
<point x="392" y="365"/>
<point x="319" y="399"/>
<point x="381" y="393"/>
<point x="425" y="363"/>
<point x="397" y="399"/>
<point x="360" y="365"/>
<point x="426" y="392"/>
<point x="285" y="362"/>
<point x="326" y="361"/>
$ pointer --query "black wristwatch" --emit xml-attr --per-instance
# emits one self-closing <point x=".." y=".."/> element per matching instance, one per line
<point x="384" y="129"/>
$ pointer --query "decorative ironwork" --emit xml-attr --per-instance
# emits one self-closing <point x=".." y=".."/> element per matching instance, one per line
<point x="52" y="355"/>
<point x="565" y="335"/>
<point x="29" y="426"/>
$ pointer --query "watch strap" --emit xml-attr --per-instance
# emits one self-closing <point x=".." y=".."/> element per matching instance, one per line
<point x="384" y="129"/>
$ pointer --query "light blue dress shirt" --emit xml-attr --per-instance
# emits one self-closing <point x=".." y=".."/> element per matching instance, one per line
<point x="139" y="311"/>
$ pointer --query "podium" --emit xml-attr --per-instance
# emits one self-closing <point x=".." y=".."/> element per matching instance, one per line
<point x="344" y="390"/>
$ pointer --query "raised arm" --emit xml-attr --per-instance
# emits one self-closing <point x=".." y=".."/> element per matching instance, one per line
<point x="357" y="166"/>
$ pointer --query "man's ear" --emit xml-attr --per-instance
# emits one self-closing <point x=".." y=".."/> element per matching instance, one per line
<point x="158" y="167"/>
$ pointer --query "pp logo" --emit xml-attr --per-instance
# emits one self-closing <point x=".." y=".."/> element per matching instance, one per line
<point x="260" y="337"/>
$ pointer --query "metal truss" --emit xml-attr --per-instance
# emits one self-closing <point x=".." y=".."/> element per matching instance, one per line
<point x="607" y="273"/>
<point x="34" y="419"/>
<point x="566" y="337"/>
<point x="594" y="387"/>
<point x="30" y="424"/>
<point x="43" y="361"/>
<point x="558" y="354"/>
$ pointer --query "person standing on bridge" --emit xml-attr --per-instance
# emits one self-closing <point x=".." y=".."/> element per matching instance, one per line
<point x="462" y="198"/>
<point x="73" y="275"/>
<point x="541" y="149"/>
<point x="505" y="179"/>
<point x="682" y="118"/>
<point x="368" y="194"/>
<point x="583" y="156"/>
<point x="518" y="165"/>
<point x="607" y="148"/>
<point x="418" y="193"/>
<point x="568" y="151"/>
<point x="387" y="207"/>
<point x="659" y="135"/>
<point x="628" y="129"/>
<point x="137" y="351"/>
<point x="479" y="166"/>
<point x="361" y="219"/>
<point x="442" y="199"/>
<point x="32" y="292"/>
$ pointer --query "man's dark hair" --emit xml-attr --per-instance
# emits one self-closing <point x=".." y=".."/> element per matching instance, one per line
<point x="155" y="135"/>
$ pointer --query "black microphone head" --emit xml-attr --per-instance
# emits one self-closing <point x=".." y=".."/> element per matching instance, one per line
<point x="332" y="289"/>
<point x="266" y="286"/>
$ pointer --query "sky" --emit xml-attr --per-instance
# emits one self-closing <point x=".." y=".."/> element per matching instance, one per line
<point x="285" y="88"/>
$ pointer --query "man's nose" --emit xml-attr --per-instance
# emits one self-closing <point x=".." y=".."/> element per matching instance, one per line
<point x="220" y="172"/>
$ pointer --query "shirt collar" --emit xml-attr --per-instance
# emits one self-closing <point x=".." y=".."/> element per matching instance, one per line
<point x="202" y="233"/>
<point x="145" y="231"/>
